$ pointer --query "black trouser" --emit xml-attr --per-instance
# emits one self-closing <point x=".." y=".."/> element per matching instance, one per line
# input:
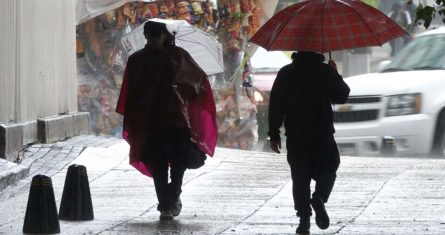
<point x="318" y="160"/>
<point x="173" y="145"/>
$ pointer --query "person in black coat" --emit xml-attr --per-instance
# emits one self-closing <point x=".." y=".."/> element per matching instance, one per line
<point x="302" y="97"/>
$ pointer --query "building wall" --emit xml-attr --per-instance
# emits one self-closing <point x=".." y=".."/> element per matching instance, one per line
<point x="37" y="59"/>
<point x="8" y="44"/>
<point x="38" y="82"/>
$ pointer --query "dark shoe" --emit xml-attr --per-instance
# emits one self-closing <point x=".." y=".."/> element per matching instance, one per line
<point x="321" y="216"/>
<point x="166" y="215"/>
<point x="304" y="226"/>
<point x="177" y="207"/>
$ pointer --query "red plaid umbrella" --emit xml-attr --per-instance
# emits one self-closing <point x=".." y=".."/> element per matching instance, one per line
<point x="326" y="25"/>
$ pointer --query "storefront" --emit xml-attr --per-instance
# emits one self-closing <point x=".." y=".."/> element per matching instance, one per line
<point x="101" y="57"/>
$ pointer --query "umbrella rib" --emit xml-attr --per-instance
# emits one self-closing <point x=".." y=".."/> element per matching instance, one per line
<point x="185" y="34"/>
<point x="367" y="25"/>
<point x="182" y="39"/>
<point x="284" y="25"/>
<point x="189" y="33"/>
<point x="322" y="27"/>
<point x="208" y="49"/>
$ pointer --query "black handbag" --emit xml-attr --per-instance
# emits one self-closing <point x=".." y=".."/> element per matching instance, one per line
<point x="196" y="158"/>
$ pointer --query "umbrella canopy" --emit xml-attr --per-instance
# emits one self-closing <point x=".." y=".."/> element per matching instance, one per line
<point x="327" y="25"/>
<point x="205" y="49"/>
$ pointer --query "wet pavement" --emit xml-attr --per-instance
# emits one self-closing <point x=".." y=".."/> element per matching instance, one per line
<point x="236" y="192"/>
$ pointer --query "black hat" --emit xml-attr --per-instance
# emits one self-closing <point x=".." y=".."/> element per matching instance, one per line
<point x="154" y="29"/>
<point x="308" y="55"/>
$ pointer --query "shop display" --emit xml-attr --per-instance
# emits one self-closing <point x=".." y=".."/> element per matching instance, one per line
<point x="102" y="58"/>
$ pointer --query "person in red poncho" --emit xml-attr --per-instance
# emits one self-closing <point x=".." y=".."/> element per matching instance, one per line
<point x="169" y="114"/>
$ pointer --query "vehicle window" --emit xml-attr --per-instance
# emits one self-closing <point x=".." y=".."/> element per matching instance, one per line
<point x="425" y="52"/>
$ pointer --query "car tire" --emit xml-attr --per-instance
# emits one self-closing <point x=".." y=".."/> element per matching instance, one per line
<point x="439" y="136"/>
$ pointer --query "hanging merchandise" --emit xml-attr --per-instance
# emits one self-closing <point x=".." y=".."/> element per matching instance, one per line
<point x="254" y="19"/>
<point x="154" y="10"/>
<point x="197" y="12"/>
<point x="164" y="12"/>
<point x="184" y="11"/>
<point x="237" y="110"/>
<point x="102" y="57"/>
<point x="208" y="14"/>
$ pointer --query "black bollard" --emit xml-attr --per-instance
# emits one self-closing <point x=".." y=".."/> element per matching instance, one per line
<point x="76" y="201"/>
<point x="41" y="211"/>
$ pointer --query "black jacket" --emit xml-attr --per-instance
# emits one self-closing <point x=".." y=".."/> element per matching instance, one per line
<point x="302" y="96"/>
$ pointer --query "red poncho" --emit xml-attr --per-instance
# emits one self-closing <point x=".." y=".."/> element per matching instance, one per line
<point x="151" y="77"/>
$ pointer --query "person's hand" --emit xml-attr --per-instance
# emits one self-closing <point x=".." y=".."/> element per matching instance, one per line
<point x="275" y="146"/>
<point x="333" y="64"/>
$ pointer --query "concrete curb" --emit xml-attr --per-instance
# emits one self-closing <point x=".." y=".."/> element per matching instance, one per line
<point x="11" y="173"/>
<point x="39" y="158"/>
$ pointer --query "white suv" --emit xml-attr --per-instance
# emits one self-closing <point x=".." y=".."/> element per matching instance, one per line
<point x="405" y="102"/>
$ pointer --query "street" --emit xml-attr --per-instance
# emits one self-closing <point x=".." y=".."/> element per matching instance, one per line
<point x="236" y="192"/>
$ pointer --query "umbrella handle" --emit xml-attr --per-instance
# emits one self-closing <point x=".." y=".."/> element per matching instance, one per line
<point x="331" y="62"/>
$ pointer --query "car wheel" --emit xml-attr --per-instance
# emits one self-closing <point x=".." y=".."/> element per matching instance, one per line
<point x="439" y="136"/>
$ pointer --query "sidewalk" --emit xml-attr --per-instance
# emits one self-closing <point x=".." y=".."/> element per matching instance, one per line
<point x="236" y="192"/>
